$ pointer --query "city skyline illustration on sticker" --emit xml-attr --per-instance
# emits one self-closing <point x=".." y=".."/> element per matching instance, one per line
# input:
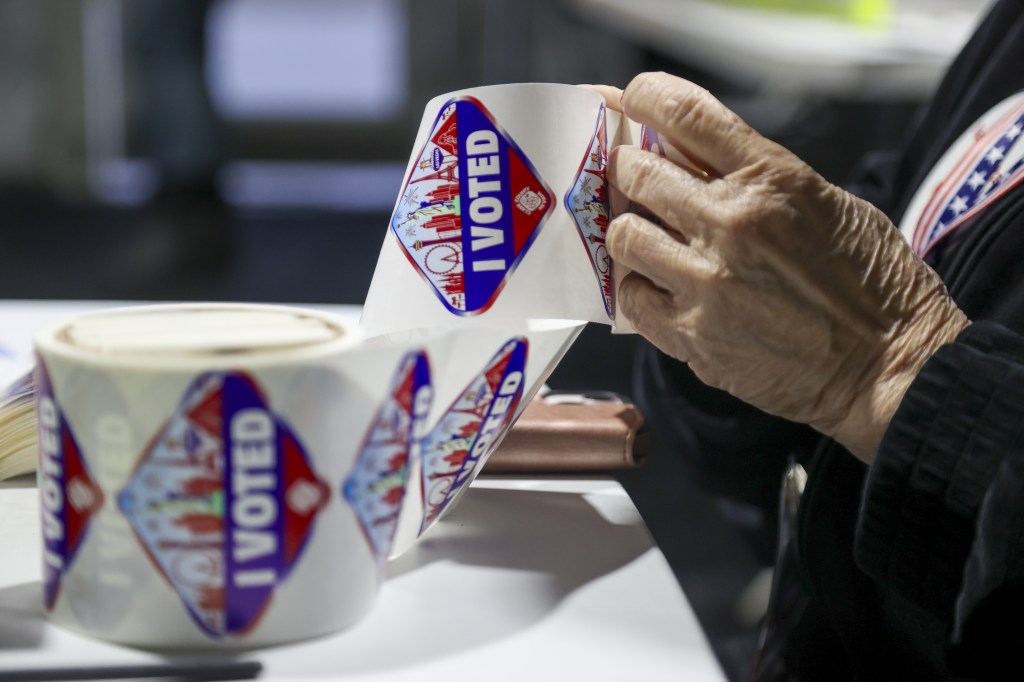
<point x="376" y="486"/>
<point x="587" y="203"/>
<point x="69" y="496"/>
<point x="470" y="209"/>
<point x="464" y="437"/>
<point x="223" y="501"/>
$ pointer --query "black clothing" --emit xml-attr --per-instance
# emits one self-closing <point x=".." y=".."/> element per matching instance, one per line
<point x="943" y="511"/>
<point x="897" y="617"/>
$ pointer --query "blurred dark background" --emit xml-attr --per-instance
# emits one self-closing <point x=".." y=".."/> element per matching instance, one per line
<point x="252" y="150"/>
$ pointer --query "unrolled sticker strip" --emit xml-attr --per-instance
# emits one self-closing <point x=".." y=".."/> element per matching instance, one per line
<point x="375" y="488"/>
<point x="224" y="501"/>
<point x="468" y="432"/>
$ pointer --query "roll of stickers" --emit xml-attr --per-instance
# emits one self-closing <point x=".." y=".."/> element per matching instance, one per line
<point x="236" y="475"/>
<point x="192" y="461"/>
<point x="503" y="212"/>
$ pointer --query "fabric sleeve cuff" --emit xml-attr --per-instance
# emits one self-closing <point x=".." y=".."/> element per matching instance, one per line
<point x="935" y="463"/>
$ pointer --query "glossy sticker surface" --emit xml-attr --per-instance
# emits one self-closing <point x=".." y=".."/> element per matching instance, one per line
<point x="587" y="203"/>
<point x="651" y="141"/>
<point x="470" y="209"/>
<point x="224" y="501"/>
<point x="375" y="488"/>
<point x="464" y="437"/>
<point x="69" y="497"/>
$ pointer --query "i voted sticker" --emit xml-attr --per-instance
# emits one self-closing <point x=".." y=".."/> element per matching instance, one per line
<point x="224" y="501"/>
<point x="587" y="203"/>
<point x="69" y="496"/>
<point x="651" y="141"/>
<point x="464" y="437"/>
<point x="470" y="209"/>
<point x="376" y="485"/>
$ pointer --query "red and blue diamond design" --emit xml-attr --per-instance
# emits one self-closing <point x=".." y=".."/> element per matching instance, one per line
<point x="587" y="203"/>
<point x="224" y="501"/>
<point x="375" y="488"/>
<point x="468" y="432"/>
<point x="470" y="209"/>
<point x="69" y="497"/>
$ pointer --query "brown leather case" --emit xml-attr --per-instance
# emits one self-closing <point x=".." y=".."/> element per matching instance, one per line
<point x="554" y="435"/>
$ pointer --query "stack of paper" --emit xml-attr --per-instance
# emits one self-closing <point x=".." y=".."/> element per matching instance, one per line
<point x="17" y="428"/>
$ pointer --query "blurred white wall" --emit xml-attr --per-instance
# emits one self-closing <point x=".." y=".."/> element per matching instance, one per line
<point x="308" y="59"/>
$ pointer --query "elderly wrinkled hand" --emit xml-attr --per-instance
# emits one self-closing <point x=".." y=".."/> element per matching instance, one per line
<point x="771" y="283"/>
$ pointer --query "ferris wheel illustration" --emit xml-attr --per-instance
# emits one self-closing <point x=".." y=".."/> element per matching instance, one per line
<point x="601" y="259"/>
<point x="442" y="258"/>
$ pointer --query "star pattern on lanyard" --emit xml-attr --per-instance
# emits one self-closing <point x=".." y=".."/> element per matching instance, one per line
<point x="998" y="168"/>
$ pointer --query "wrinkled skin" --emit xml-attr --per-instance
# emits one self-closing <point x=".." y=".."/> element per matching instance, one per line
<point x="771" y="283"/>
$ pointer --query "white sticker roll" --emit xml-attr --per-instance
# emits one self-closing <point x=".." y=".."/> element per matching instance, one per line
<point x="219" y="475"/>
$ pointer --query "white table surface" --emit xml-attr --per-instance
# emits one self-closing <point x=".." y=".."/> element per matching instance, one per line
<point x="798" y="53"/>
<point x="525" y="579"/>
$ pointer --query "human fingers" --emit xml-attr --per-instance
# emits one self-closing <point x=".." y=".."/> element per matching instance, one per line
<point x="612" y="95"/>
<point x="683" y="200"/>
<point x="619" y="204"/>
<point x="694" y="122"/>
<point x="653" y="312"/>
<point x="642" y="246"/>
